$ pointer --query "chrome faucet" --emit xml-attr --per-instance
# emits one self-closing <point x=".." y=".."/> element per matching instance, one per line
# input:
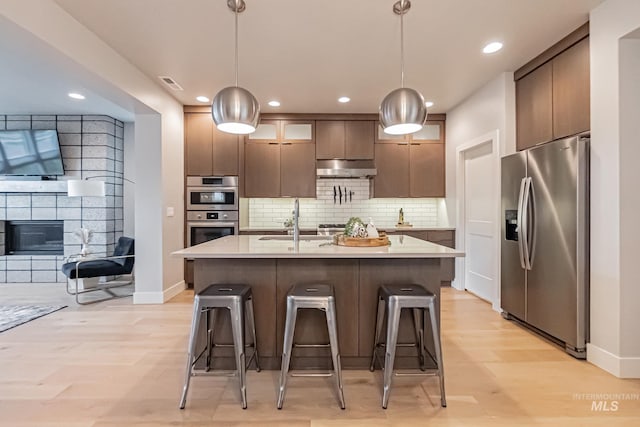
<point x="296" y="226"/>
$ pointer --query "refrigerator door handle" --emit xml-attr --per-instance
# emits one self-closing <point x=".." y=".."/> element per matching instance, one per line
<point x="521" y="223"/>
<point x="531" y="219"/>
<point x="526" y="225"/>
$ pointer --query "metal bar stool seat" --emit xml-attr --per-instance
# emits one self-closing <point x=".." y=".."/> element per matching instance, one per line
<point x="315" y="296"/>
<point x="239" y="301"/>
<point x="391" y="300"/>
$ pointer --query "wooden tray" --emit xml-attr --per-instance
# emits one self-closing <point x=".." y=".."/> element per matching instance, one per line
<point x="342" y="240"/>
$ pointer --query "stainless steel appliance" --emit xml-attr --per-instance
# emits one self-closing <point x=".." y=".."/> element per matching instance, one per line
<point x="203" y="226"/>
<point x="212" y="193"/>
<point x="545" y="241"/>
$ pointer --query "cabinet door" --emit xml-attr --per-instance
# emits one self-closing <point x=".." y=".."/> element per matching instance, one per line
<point x="267" y="131"/>
<point x="297" y="131"/>
<point x="432" y="131"/>
<point x="534" y="107"/>
<point x="426" y="170"/>
<point x="392" y="162"/>
<point x="382" y="137"/>
<point x="359" y="138"/>
<point x="225" y="153"/>
<point x="422" y="235"/>
<point x="297" y="170"/>
<point x="262" y="169"/>
<point x="571" y="100"/>
<point x="199" y="144"/>
<point x="330" y="139"/>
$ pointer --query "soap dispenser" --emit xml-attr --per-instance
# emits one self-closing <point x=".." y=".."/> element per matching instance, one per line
<point x="401" y="217"/>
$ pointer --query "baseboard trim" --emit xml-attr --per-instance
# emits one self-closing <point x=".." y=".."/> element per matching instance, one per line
<point x="159" y="297"/>
<point x="621" y="367"/>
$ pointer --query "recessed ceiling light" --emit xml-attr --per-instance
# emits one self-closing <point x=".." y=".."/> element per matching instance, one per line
<point x="202" y="98"/>
<point x="344" y="99"/>
<point x="428" y="104"/>
<point x="76" y="95"/>
<point x="274" y="103"/>
<point x="492" y="47"/>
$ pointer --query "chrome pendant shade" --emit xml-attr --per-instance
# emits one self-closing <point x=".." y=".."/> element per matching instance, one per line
<point x="234" y="109"/>
<point x="403" y="110"/>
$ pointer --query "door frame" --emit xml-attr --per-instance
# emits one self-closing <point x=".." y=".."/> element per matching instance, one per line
<point x="492" y="137"/>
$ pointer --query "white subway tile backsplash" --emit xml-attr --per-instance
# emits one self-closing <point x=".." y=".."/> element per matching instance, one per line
<point x="270" y="213"/>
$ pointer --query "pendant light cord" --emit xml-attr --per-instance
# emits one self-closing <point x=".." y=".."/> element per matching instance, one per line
<point x="402" y="43"/>
<point x="236" y="14"/>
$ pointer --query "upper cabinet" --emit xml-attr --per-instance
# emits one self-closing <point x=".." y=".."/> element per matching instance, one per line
<point x="209" y="151"/>
<point x="280" y="160"/>
<point x="345" y="139"/>
<point x="411" y="165"/>
<point x="552" y="92"/>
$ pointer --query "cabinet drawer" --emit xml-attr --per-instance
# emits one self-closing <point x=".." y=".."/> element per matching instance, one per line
<point x="442" y="237"/>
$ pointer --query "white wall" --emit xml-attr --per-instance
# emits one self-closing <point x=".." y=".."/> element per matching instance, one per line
<point x="159" y="174"/>
<point x="615" y="303"/>
<point x="129" y="202"/>
<point x="491" y="107"/>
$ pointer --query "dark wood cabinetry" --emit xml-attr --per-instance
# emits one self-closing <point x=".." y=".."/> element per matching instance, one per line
<point x="207" y="150"/>
<point x="345" y="139"/>
<point x="280" y="160"/>
<point x="411" y="165"/>
<point x="552" y="92"/>
<point x="441" y="237"/>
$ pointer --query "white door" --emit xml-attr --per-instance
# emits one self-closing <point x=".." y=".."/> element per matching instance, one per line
<point x="479" y="213"/>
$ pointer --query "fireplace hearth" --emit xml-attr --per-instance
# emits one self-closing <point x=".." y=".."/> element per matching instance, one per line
<point x="34" y="237"/>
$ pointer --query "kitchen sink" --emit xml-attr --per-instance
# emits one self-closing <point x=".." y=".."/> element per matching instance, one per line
<point x="303" y="238"/>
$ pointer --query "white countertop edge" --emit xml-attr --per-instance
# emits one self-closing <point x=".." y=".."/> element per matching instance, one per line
<point x="387" y="229"/>
<point x="251" y="247"/>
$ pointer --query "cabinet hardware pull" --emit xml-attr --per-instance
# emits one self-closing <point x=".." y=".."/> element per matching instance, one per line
<point x="286" y="143"/>
<point x="273" y="143"/>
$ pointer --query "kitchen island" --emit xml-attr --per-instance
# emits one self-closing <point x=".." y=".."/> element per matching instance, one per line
<point x="272" y="264"/>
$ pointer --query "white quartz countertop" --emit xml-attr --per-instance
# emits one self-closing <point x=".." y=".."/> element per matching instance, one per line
<point x="387" y="229"/>
<point x="258" y="247"/>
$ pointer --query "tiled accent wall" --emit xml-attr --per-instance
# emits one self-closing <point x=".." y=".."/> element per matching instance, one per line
<point x="271" y="213"/>
<point x="91" y="146"/>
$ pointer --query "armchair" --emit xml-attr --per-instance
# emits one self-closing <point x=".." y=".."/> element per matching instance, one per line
<point x="121" y="262"/>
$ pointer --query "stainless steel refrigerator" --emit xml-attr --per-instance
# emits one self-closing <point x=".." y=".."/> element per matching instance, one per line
<point x="545" y="241"/>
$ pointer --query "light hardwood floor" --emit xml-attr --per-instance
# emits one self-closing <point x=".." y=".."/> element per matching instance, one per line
<point x="116" y="364"/>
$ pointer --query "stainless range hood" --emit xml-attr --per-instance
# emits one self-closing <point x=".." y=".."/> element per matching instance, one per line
<point x="345" y="169"/>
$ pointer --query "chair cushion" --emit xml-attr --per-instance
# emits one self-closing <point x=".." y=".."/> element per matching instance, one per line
<point x="125" y="246"/>
<point x="95" y="268"/>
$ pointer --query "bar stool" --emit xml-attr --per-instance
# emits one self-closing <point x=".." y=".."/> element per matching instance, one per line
<point x="391" y="300"/>
<point x="238" y="300"/>
<point x="320" y="297"/>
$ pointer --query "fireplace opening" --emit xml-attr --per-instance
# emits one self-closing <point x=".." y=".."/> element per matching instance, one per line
<point x="34" y="237"/>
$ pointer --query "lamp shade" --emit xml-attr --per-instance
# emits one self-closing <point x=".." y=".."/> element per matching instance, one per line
<point x="402" y="111"/>
<point x="235" y="110"/>
<point x="84" y="188"/>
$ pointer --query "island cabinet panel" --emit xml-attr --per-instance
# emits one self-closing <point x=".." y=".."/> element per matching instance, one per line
<point x="441" y="237"/>
<point x="311" y="325"/>
<point x="392" y="163"/>
<point x="209" y="151"/>
<point x="260" y="274"/>
<point x="374" y="274"/>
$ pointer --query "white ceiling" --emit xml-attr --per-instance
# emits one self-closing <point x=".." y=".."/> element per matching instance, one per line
<point x="307" y="53"/>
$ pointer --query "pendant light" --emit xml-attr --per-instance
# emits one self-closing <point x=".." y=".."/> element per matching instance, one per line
<point x="403" y="110"/>
<point x="235" y="109"/>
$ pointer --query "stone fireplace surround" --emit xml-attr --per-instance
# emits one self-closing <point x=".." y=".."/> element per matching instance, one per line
<point x="90" y="146"/>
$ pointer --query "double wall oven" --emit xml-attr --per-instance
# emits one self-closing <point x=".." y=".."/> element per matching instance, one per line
<point x="212" y="208"/>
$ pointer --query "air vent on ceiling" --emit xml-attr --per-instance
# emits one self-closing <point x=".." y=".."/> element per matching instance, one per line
<point x="170" y="82"/>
